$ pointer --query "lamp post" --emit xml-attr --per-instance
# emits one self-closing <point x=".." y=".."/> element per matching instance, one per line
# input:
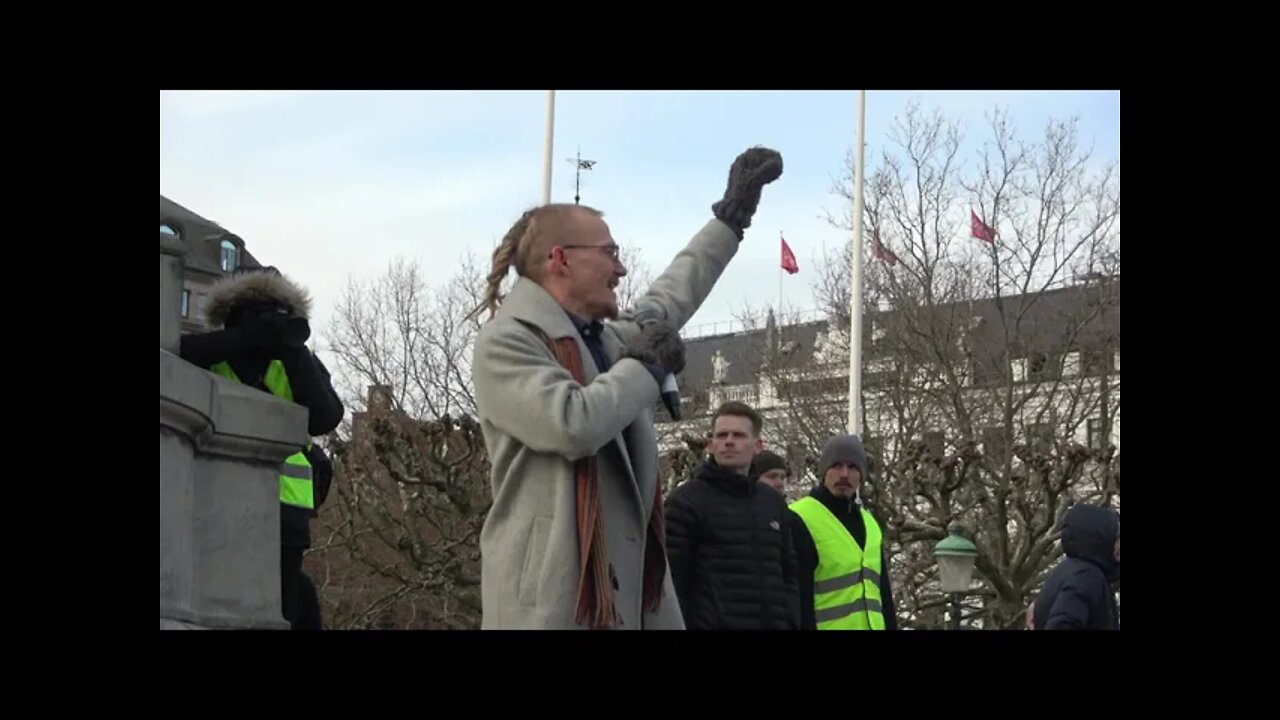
<point x="955" y="555"/>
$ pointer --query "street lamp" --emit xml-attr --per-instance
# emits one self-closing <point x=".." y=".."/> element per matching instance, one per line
<point x="955" y="556"/>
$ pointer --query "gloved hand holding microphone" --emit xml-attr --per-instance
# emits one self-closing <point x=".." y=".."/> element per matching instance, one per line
<point x="660" y="345"/>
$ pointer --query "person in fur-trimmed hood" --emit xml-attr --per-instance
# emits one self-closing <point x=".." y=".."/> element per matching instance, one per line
<point x="263" y="317"/>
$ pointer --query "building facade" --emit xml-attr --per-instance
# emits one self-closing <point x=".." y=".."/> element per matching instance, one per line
<point x="1048" y="363"/>
<point x="212" y="253"/>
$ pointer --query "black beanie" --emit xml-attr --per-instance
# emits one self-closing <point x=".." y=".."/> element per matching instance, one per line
<point x="767" y="461"/>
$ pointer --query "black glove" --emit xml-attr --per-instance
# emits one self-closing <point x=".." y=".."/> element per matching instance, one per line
<point x="273" y="333"/>
<point x="659" y="344"/>
<point x="294" y="332"/>
<point x="261" y="333"/>
<point x="751" y="171"/>
<point x="321" y="473"/>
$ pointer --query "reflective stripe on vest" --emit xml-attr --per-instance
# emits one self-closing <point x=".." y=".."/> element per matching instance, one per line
<point x="846" y="583"/>
<point x="296" y="487"/>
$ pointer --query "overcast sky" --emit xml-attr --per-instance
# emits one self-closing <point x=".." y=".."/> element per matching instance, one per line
<point x="329" y="184"/>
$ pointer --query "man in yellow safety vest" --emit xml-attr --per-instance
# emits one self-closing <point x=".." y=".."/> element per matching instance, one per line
<point x="840" y="551"/>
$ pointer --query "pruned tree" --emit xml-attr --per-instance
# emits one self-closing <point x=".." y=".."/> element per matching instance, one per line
<point x="686" y="453"/>
<point x="397" y="544"/>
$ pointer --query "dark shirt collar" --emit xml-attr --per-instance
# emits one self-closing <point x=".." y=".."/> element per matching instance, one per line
<point x="588" y="330"/>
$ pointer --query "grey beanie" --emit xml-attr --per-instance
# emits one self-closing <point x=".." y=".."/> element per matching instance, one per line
<point x="843" y="448"/>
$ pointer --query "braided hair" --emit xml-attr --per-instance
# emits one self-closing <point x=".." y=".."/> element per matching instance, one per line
<point x="533" y="230"/>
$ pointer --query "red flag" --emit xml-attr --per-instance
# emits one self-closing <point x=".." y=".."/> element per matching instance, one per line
<point x="981" y="230"/>
<point x="788" y="258"/>
<point x="880" y="252"/>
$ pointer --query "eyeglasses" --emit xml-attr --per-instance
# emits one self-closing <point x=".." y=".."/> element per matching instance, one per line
<point x="611" y="249"/>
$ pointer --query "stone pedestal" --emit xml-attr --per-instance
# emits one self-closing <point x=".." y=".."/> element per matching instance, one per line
<point x="221" y="445"/>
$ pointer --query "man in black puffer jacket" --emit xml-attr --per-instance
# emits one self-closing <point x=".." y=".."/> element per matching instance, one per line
<point x="1077" y="594"/>
<point x="730" y="553"/>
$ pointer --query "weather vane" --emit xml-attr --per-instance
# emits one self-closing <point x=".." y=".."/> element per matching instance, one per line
<point x="579" y="165"/>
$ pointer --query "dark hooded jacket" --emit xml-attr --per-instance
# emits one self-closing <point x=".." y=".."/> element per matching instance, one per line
<point x="264" y="318"/>
<point x="1077" y="594"/>
<point x="730" y="553"/>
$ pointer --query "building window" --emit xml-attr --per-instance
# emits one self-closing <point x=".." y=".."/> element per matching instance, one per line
<point x="1040" y="436"/>
<point x="168" y="229"/>
<point x="186" y="303"/>
<point x="994" y="445"/>
<point x="1019" y="369"/>
<point x="1096" y="362"/>
<point x="1038" y="366"/>
<point x="1097" y="434"/>
<point x="1071" y="364"/>
<point x="874" y="447"/>
<point x="934" y="442"/>
<point x="230" y="256"/>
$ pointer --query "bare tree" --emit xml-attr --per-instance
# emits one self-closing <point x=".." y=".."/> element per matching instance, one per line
<point x="638" y="278"/>
<point x="395" y="331"/>
<point x="990" y="370"/>
<point x="397" y="544"/>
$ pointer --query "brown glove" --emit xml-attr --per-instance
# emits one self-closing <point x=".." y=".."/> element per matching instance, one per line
<point x="659" y="344"/>
<point x="751" y="171"/>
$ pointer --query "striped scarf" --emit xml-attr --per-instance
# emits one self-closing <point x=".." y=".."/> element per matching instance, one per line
<point x="596" y="582"/>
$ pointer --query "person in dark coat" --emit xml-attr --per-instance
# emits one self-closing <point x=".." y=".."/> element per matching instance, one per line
<point x="771" y="469"/>
<point x="731" y="558"/>
<point x="1077" y="594"/>
<point x="262" y="318"/>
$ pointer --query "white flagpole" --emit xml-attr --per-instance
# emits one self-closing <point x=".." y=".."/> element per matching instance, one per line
<point x="546" y="147"/>
<point x="855" y="289"/>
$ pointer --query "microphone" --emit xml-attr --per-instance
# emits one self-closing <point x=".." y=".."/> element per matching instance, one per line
<point x="671" y="396"/>
<point x="670" y="391"/>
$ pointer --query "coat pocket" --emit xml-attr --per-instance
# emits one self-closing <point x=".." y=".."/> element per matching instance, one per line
<point x="535" y="554"/>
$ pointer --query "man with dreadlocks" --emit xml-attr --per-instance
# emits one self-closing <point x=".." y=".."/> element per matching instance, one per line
<point x="575" y="537"/>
